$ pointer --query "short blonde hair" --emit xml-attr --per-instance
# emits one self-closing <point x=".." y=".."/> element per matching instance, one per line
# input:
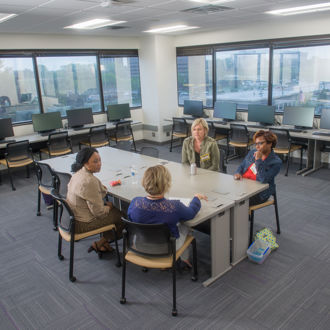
<point x="202" y="122"/>
<point x="156" y="180"/>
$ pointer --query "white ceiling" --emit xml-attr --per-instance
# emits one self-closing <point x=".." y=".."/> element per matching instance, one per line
<point x="50" y="16"/>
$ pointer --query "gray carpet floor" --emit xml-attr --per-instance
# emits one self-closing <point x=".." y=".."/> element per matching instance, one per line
<point x="290" y="290"/>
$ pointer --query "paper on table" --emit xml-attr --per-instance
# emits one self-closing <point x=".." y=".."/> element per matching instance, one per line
<point x="185" y="201"/>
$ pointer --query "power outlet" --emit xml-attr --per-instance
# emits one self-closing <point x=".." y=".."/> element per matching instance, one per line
<point x="167" y="133"/>
<point x="153" y="134"/>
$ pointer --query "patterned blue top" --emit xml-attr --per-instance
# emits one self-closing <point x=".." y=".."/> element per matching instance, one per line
<point x="144" y="210"/>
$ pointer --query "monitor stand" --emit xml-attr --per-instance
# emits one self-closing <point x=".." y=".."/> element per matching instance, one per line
<point x="78" y="128"/>
<point x="46" y="133"/>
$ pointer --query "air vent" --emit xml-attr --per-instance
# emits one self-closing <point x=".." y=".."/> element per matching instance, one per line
<point x="209" y="9"/>
<point x="117" y="27"/>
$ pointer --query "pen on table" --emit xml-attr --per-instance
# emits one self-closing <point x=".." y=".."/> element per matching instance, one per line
<point x="219" y="205"/>
<point x="127" y="176"/>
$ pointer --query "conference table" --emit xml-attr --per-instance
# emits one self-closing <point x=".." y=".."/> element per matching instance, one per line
<point x="226" y="208"/>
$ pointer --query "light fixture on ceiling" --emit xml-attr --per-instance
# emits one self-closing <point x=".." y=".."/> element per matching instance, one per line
<point x="5" y="17"/>
<point x="93" y="24"/>
<point x="172" y="28"/>
<point x="301" y="9"/>
<point x="212" y="2"/>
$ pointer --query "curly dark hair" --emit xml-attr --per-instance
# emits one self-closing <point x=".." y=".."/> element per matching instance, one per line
<point x="269" y="136"/>
<point x="82" y="158"/>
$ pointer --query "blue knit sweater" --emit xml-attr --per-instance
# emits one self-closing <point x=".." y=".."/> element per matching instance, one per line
<point x="144" y="210"/>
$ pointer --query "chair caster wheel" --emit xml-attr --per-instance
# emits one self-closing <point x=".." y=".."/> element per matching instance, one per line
<point x="73" y="279"/>
<point x="174" y="312"/>
<point x="100" y="255"/>
<point x="55" y="228"/>
<point x="38" y="214"/>
<point x="279" y="232"/>
<point x="61" y="257"/>
<point x="144" y="269"/>
<point x="123" y="301"/>
<point x="194" y="278"/>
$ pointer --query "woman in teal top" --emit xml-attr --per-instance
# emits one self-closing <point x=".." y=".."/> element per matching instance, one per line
<point x="200" y="148"/>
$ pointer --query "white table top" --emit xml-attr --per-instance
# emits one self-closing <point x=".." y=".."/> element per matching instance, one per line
<point x="222" y="190"/>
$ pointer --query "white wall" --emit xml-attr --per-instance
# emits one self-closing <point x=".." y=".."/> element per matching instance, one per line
<point x="36" y="41"/>
<point x="281" y="27"/>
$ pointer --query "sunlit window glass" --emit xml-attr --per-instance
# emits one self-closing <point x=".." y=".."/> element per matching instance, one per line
<point x="18" y="92"/>
<point x="301" y="77"/>
<point x="121" y="80"/>
<point x="69" y="82"/>
<point x="195" y="79"/>
<point x="242" y="76"/>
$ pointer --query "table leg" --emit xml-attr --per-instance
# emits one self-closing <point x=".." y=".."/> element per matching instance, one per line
<point x="317" y="164"/>
<point x="220" y="246"/>
<point x="310" y="157"/>
<point x="239" y="231"/>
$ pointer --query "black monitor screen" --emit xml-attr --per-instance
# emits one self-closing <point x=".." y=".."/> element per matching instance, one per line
<point x="264" y="114"/>
<point x="44" y="122"/>
<point x="224" y="110"/>
<point x="79" y="117"/>
<point x="118" y="112"/>
<point x="299" y="116"/>
<point x="6" y="128"/>
<point x="325" y="119"/>
<point x="193" y="108"/>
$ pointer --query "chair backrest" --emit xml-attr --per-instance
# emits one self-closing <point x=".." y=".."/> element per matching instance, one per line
<point x="66" y="220"/>
<point x="150" y="151"/>
<point x="180" y="125"/>
<point x="46" y="176"/>
<point x="222" y="167"/>
<point x="283" y="138"/>
<point x="98" y="134"/>
<point x="148" y="239"/>
<point x="58" y="141"/>
<point x="123" y="129"/>
<point x="239" y="133"/>
<point x="18" y="151"/>
<point x="63" y="180"/>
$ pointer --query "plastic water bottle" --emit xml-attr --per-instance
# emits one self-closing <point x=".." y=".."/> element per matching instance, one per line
<point x="193" y="169"/>
<point x="134" y="175"/>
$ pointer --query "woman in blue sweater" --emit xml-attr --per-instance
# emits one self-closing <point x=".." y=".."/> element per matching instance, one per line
<point x="261" y="164"/>
<point x="155" y="208"/>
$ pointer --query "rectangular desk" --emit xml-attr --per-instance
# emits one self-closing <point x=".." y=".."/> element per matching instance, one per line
<point x="227" y="207"/>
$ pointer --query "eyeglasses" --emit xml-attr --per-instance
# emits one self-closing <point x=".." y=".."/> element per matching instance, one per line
<point x="260" y="143"/>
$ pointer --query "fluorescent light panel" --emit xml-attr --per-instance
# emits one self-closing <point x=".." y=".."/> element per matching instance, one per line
<point x="173" y="28"/>
<point x="301" y="9"/>
<point x="93" y="24"/>
<point x="212" y="2"/>
<point x="5" y="17"/>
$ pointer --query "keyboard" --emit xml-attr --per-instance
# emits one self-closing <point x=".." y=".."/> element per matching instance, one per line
<point x="7" y="141"/>
<point x="256" y="126"/>
<point x="321" y="133"/>
<point x="220" y="122"/>
<point x="296" y="130"/>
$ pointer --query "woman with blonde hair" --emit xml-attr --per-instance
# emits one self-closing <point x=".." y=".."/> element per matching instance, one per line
<point x="201" y="149"/>
<point x="155" y="208"/>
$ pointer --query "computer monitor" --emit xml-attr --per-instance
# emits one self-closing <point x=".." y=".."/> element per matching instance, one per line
<point x="6" y="128"/>
<point x="260" y="113"/>
<point x="77" y="118"/>
<point x="225" y="110"/>
<point x="300" y="117"/>
<point x="117" y="112"/>
<point x="46" y="122"/>
<point x="193" y="108"/>
<point x="325" y="119"/>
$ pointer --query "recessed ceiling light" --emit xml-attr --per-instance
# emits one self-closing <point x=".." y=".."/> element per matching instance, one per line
<point x="301" y="9"/>
<point x="93" y="24"/>
<point x="212" y="2"/>
<point x="173" y="28"/>
<point x="5" y="17"/>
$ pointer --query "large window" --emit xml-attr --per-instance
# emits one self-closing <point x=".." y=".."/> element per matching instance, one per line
<point x="18" y="92"/>
<point x="195" y="79"/>
<point x="69" y="82"/>
<point x="242" y="76"/>
<point x="121" y="80"/>
<point x="301" y="76"/>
